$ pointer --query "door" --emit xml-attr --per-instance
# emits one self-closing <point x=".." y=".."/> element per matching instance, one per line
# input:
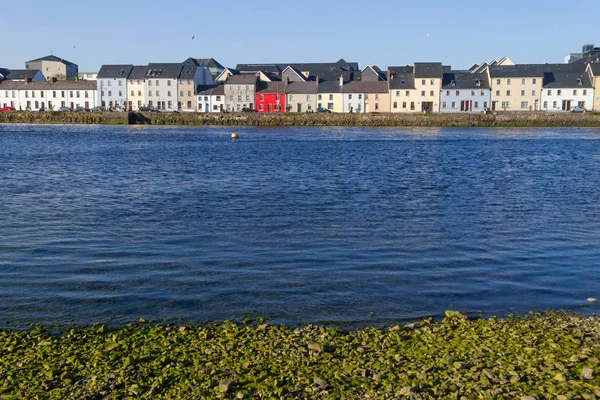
<point x="367" y="107"/>
<point x="299" y="107"/>
<point x="494" y="105"/>
<point x="270" y="107"/>
<point x="566" y="105"/>
<point x="72" y="106"/>
<point x="207" y="108"/>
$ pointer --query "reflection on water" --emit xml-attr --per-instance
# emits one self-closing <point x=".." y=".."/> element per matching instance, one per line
<point x="301" y="225"/>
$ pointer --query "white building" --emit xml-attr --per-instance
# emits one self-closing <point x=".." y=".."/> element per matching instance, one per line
<point x="353" y="94"/>
<point x="48" y="95"/>
<point x="465" y="92"/>
<point x="564" y="91"/>
<point x="161" y="85"/>
<point x="112" y="86"/>
<point x="88" y="76"/>
<point x="210" y="99"/>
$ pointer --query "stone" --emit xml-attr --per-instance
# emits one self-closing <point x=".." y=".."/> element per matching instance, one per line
<point x="209" y="351"/>
<point x="240" y="395"/>
<point x="562" y="397"/>
<point x="322" y="383"/>
<point x="315" y="347"/>
<point x="407" y="391"/>
<point x="489" y="374"/>
<point x="592" y="300"/>
<point x="528" y="398"/>
<point x="455" y="314"/>
<point x="461" y="365"/>
<point x="587" y="374"/>
<point x="560" y="377"/>
<point x="225" y="385"/>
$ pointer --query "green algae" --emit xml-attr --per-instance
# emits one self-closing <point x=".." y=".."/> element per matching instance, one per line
<point x="544" y="356"/>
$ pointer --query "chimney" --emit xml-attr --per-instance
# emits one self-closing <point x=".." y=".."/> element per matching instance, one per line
<point x="317" y="79"/>
<point x="54" y="80"/>
<point x="26" y="78"/>
<point x="287" y="80"/>
<point x="341" y="80"/>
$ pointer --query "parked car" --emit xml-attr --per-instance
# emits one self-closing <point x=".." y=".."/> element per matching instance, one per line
<point x="80" y="109"/>
<point x="148" y="109"/>
<point x="97" y="109"/>
<point x="323" y="110"/>
<point x="578" y="109"/>
<point x="64" y="109"/>
<point x="248" y="110"/>
<point x="7" y="109"/>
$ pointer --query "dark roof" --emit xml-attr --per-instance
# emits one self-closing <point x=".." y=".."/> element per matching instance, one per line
<point x="164" y="70"/>
<point x="595" y="69"/>
<point x="564" y="68"/>
<point x="48" y="85"/>
<point x="516" y="71"/>
<point x="330" y="87"/>
<point x="378" y="72"/>
<point x="428" y="70"/>
<point x="53" y="58"/>
<point x="242" y="79"/>
<point x="464" y="80"/>
<point x="302" y="88"/>
<point x="271" y="68"/>
<point x="270" y="87"/>
<point x="325" y="71"/>
<point x="115" y="71"/>
<point x="401" y="77"/>
<point x="189" y="68"/>
<point x="209" y="63"/>
<point x="566" y="80"/>
<point x="138" y="72"/>
<point x="17" y="74"/>
<point x="211" y="90"/>
<point x="297" y="72"/>
<point x="365" y="87"/>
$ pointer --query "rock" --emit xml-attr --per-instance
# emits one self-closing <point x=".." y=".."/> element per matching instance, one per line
<point x="562" y="397"/>
<point x="377" y="377"/>
<point x="411" y="326"/>
<point x="315" y="347"/>
<point x="489" y="374"/>
<point x="398" y="358"/>
<point x="240" y="395"/>
<point x="422" y="376"/>
<point x="592" y="300"/>
<point x="225" y="385"/>
<point x="209" y="351"/>
<point x="528" y="398"/>
<point x="461" y="365"/>
<point x="455" y="314"/>
<point x="322" y="383"/>
<point x="587" y="374"/>
<point x="407" y="391"/>
<point x="560" y="377"/>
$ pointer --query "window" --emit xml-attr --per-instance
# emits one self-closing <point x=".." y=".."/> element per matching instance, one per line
<point x="109" y="84"/>
<point x="139" y="92"/>
<point x="453" y="104"/>
<point x="497" y="93"/>
<point x="291" y="97"/>
<point x="412" y="106"/>
<point x="157" y="93"/>
<point x="403" y="104"/>
<point x="377" y="106"/>
<point x="508" y="81"/>
<point x="431" y="93"/>
<point x="350" y="97"/>
<point x="458" y="92"/>
<point x="189" y="93"/>
<point x="505" y="104"/>
<point x="150" y="93"/>
<point x="120" y="83"/>
<point x="485" y="104"/>
<point x="169" y="84"/>
<point x="319" y="97"/>
<point x="559" y="92"/>
<point x="422" y="93"/>
<point x="472" y="93"/>
<point x="447" y="93"/>
<point x="476" y="104"/>
<point x="395" y="105"/>
<point x="482" y="92"/>
<point x="524" y="105"/>
<point x="545" y="104"/>
<point x="423" y="82"/>
<point x="330" y="106"/>
<point x="376" y="97"/>
<point x="149" y="82"/>
<point x="307" y="97"/>
<point x="205" y="98"/>
<point x="86" y="94"/>
<point x="181" y="93"/>
<point x="132" y="93"/>
<point x="407" y="93"/>
<point x="240" y="97"/>
<point x="120" y="93"/>
<point x="260" y="107"/>
<point x="360" y="96"/>
<point x="522" y="93"/>
<point x="497" y="81"/>
<point x="247" y="97"/>
<point x="533" y="92"/>
<point x="554" y="104"/>
<point x="231" y="98"/>
<point x="170" y="103"/>
<point x="330" y="97"/>
<point x="397" y="93"/>
<point x="262" y="98"/>
<point x="584" y="92"/>
<point x="575" y="92"/>
<point x="523" y="81"/>
<point x="431" y="82"/>
<point x="508" y="92"/>
<point x="54" y="93"/>
<point x="169" y="93"/>
<point x="549" y="92"/>
<point x="218" y="98"/>
<point x="63" y="94"/>
<point x="534" y="81"/>
<point x="41" y="94"/>
<point x="443" y="104"/>
<point x="109" y="93"/>
<point x="156" y="82"/>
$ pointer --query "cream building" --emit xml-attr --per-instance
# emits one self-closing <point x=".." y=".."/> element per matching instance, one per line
<point x="428" y="82"/>
<point x="136" y="93"/>
<point x="402" y="92"/>
<point x="364" y="97"/>
<point x="594" y="73"/>
<point x="301" y="96"/>
<point x="516" y="87"/>
<point x="330" y="96"/>
<point x="54" y="67"/>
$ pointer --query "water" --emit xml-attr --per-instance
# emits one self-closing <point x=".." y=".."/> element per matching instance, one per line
<point x="300" y="225"/>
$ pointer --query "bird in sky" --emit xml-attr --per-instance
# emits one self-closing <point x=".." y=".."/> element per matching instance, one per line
<point x="193" y="37"/>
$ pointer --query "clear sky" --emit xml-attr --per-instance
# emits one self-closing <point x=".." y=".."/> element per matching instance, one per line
<point x="384" y="32"/>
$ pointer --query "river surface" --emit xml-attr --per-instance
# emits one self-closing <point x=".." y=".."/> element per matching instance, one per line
<point x="298" y="225"/>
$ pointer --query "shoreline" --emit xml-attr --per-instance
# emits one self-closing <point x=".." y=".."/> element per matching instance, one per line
<point x="544" y="355"/>
<point x="503" y="120"/>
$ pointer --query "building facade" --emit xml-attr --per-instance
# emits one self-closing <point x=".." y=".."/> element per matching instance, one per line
<point x="330" y="96"/>
<point x="270" y="97"/>
<point x="54" y="67"/>
<point x="564" y="91"/>
<point x="111" y="84"/>
<point x="161" y="85"/>
<point x="465" y="92"/>
<point x="48" y="95"/>
<point x="136" y="88"/>
<point x="593" y="71"/>
<point x="240" y="91"/>
<point x="403" y="94"/>
<point x="428" y="82"/>
<point x="301" y="96"/>
<point x="210" y="99"/>
<point x="516" y="87"/>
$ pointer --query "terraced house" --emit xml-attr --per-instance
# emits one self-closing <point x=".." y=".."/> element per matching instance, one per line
<point x="192" y="75"/>
<point x="112" y="86"/>
<point x="161" y="85"/>
<point x="428" y="82"/>
<point x="465" y="92"/>
<point x="239" y="91"/>
<point x="593" y="70"/>
<point x="136" y="88"/>
<point x="330" y="96"/>
<point x="566" y="86"/>
<point x="301" y="96"/>
<point x="364" y="97"/>
<point x="48" y="95"/>
<point x="516" y="87"/>
<point x="403" y="93"/>
<point x="54" y="67"/>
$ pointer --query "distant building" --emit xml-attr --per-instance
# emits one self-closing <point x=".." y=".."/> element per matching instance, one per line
<point x="309" y="71"/>
<point x="372" y="74"/>
<point x="566" y="86"/>
<point x="213" y="66"/>
<point x="589" y="53"/>
<point x="88" y="76"/>
<point x="210" y="98"/>
<point x="270" y="97"/>
<point x="21" y="75"/>
<point x="47" y="95"/>
<point x="593" y="70"/>
<point x="301" y="96"/>
<point x="54" y="67"/>
<point x="161" y="85"/>
<point x="465" y="92"/>
<point x="428" y="82"/>
<point x="240" y="91"/>
<point x="516" y="87"/>
<point x="192" y="75"/>
<point x="403" y="94"/>
<point x="366" y="96"/>
<point x="112" y="86"/>
<point x="136" y="88"/>
<point x="330" y="95"/>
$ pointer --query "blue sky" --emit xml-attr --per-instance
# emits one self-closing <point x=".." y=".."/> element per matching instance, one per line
<point x="456" y="32"/>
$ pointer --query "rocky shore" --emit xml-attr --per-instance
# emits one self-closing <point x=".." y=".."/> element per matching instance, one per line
<point x="541" y="356"/>
<point x="529" y="119"/>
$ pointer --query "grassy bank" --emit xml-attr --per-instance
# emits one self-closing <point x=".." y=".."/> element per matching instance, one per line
<point x="529" y="119"/>
<point x="553" y="356"/>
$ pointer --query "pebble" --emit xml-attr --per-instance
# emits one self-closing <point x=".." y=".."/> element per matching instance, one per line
<point x="407" y="391"/>
<point x="315" y="347"/>
<point x="225" y="385"/>
<point x="528" y="398"/>
<point x="560" y="377"/>
<point x="210" y="351"/>
<point x="322" y="383"/>
<point x="455" y="314"/>
<point x="587" y="374"/>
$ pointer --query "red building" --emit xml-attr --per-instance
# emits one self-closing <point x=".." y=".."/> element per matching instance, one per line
<point x="270" y="97"/>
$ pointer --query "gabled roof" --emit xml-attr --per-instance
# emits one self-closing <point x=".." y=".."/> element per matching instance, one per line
<point x="209" y="63"/>
<point x="53" y="58"/>
<point x="401" y="77"/>
<point x="567" y="80"/>
<point x="163" y="70"/>
<point x="114" y="71"/>
<point x="376" y="70"/>
<point x="302" y="88"/>
<point x="429" y="70"/>
<point x="48" y="85"/>
<point x="271" y="68"/>
<point x="365" y="87"/>
<point x="211" y="90"/>
<point x="242" y="79"/>
<point x="464" y="80"/>
<point x="564" y="68"/>
<point x="270" y="87"/>
<point x="595" y="67"/>
<point x="18" y="74"/>
<point x="516" y="71"/>
<point x="138" y="72"/>
<point x="188" y="69"/>
<point x="325" y="71"/>
<point x="330" y="87"/>
<point x="296" y="72"/>
<point x="474" y="67"/>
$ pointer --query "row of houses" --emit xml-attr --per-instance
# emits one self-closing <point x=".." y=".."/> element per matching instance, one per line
<point x="204" y="85"/>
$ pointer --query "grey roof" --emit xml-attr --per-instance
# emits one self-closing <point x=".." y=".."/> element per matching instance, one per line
<point x="376" y="70"/>
<point x="302" y="88"/>
<point x="330" y="87"/>
<point x="365" y="87"/>
<point x="564" y="68"/>
<point x="464" y="80"/>
<point x="163" y="70"/>
<point x="595" y="69"/>
<point x="211" y="90"/>
<point x="53" y="58"/>
<point x="242" y="79"/>
<point x="48" y="85"/>
<point x="325" y="71"/>
<point x="516" y="71"/>
<point x="428" y="70"/>
<point x="271" y="68"/>
<point x="270" y="87"/>
<point x="189" y="68"/>
<point x="138" y="72"/>
<point x="401" y="77"/>
<point x="12" y="74"/>
<point x="297" y="72"/>
<point x="114" y="71"/>
<point x="209" y="63"/>
<point x="566" y="80"/>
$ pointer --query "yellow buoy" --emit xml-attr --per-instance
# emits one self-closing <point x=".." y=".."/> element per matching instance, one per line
<point x="234" y="136"/>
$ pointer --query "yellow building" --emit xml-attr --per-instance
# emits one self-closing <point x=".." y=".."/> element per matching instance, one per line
<point x="428" y="83"/>
<point x="516" y="87"/>
<point x="330" y="96"/>
<point x="136" y="95"/>
<point x="594" y="71"/>
<point x="402" y="92"/>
